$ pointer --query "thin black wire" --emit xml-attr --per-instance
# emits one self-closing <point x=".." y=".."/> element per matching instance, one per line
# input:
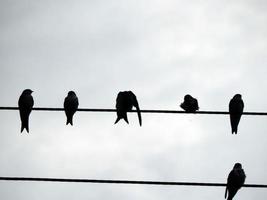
<point x="122" y="182"/>
<point x="142" y="111"/>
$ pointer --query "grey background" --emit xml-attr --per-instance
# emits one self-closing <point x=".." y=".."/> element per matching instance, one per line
<point x="161" y="50"/>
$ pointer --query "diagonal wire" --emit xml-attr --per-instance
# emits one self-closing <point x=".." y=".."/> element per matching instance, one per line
<point x="31" y="179"/>
<point x="142" y="111"/>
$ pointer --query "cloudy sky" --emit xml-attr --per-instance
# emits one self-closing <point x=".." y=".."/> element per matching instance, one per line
<point x="161" y="50"/>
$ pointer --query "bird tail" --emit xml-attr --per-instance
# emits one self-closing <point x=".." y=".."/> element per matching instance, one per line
<point x="24" y="125"/>
<point x="118" y="119"/>
<point x="225" y="195"/>
<point x="126" y="118"/>
<point x="121" y="115"/>
<point x="234" y="130"/>
<point x="69" y="121"/>
<point x="234" y="122"/>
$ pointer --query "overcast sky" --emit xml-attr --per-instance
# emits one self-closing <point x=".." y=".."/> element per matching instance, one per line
<point x="161" y="50"/>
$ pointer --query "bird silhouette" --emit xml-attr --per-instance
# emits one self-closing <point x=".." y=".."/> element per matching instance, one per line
<point x="235" y="181"/>
<point x="71" y="104"/>
<point x="25" y="107"/>
<point x="190" y="104"/>
<point x="124" y="103"/>
<point x="236" y="107"/>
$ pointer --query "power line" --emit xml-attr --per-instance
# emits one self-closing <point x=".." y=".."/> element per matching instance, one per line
<point x="142" y="111"/>
<point x="31" y="179"/>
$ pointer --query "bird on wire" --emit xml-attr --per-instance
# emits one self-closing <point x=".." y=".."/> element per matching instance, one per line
<point x="235" y="181"/>
<point x="236" y="107"/>
<point x="25" y="107"/>
<point x="124" y="103"/>
<point x="71" y="104"/>
<point x="190" y="104"/>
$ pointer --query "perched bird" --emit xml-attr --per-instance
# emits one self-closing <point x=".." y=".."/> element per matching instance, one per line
<point x="25" y="107"/>
<point x="235" y="181"/>
<point x="71" y="104"/>
<point x="236" y="107"/>
<point x="124" y="103"/>
<point x="190" y="104"/>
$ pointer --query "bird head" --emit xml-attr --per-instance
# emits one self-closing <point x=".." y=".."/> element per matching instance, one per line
<point x="238" y="96"/>
<point x="27" y="91"/>
<point x="71" y="93"/>
<point x="187" y="97"/>
<point x="237" y="166"/>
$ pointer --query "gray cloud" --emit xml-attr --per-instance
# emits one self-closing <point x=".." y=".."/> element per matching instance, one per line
<point x="161" y="51"/>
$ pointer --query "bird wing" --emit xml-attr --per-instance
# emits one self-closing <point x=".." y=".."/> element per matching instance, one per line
<point x="136" y="105"/>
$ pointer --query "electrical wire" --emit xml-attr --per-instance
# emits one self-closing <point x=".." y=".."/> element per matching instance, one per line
<point x="142" y="111"/>
<point x="31" y="179"/>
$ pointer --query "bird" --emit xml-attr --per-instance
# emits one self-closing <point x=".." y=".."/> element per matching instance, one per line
<point x="190" y="104"/>
<point x="235" y="181"/>
<point x="25" y="107"/>
<point x="71" y="104"/>
<point x="236" y="107"/>
<point x="124" y="103"/>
